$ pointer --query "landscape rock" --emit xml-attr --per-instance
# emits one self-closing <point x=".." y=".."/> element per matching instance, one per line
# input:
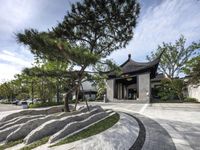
<point x="53" y="126"/>
<point x="84" y="109"/>
<point x="12" y="120"/>
<point x="4" y="133"/>
<point x="77" y="125"/>
<point x="26" y="128"/>
<point x="20" y="120"/>
<point x="46" y="111"/>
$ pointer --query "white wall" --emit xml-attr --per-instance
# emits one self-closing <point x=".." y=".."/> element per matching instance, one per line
<point x="87" y="86"/>
<point x="90" y="96"/>
<point x="194" y="91"/>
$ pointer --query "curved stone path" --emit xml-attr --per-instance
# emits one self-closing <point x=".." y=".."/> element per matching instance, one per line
<point x="156" y="137"/>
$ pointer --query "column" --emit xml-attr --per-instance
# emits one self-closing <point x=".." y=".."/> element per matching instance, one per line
<point x="144" y="86"/>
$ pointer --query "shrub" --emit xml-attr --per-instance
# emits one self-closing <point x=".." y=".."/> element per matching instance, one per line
<point x="5" y="102"/>
<point x="190" y="99"/>
<point x="171" y="89"/>
<point x="73" y="101"/>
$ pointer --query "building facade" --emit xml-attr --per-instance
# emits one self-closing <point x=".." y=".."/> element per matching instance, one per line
<point x="88" y="90"/>
<point x="134" y="83"/>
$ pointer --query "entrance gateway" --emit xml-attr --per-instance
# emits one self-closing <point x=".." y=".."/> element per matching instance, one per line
<point x="134" y="83"/>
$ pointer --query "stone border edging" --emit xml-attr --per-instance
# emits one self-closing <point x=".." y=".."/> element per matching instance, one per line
<point x="138" y="144"/>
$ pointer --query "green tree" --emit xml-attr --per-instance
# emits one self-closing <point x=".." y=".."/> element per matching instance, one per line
<point x="192" y="70"/>
<point x="174" y="57"/>
<point x="171" y="89"/>
<point x="89" y="32"/>
<point x="173" y="61"/>
<point x="6" y="91"/>
<point x="52" y="74"/>
<point x="25" y="86"/>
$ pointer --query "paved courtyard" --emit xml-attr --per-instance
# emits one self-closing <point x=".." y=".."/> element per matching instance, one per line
<point x="6" y="109"/>
<point x="9" y="107"/>
<point x="181" y="121"/>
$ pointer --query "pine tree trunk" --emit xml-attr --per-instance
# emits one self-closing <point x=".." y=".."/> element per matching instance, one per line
<point x="32" y="92"/>
<point x="86" y="102"/>
<point x="66" y="100"/>
<point x="77" y="97"/>
<point x="43" y="99"/>
<point x="57" y="91"/>
<point x="66" y="103"/>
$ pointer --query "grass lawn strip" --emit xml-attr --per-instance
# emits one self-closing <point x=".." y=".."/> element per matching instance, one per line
<point x="92" y="130"/>
<point x="10" y="144"/>
<point x="36" y="144"/>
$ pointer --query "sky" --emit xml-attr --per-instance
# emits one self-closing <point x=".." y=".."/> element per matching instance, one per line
<point x="159" y="21"/>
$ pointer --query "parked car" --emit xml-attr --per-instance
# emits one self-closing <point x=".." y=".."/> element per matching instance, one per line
<point x="29" y="101"/>
<point x="5" y="101"/>
<point x="24" y="104"/>
<point x="15" y="102"/>
<point x="37" y="100"/>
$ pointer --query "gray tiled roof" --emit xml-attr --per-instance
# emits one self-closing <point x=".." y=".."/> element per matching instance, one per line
<point x="133" y="66"/>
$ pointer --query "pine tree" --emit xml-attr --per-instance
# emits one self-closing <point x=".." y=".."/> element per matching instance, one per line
<point x="89" y="32"/>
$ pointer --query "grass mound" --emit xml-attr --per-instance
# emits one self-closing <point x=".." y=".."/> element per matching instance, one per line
<point x="92" y="130"/>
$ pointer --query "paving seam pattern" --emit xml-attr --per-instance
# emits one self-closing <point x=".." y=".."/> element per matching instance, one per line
<point x="152" y="136"/>
<point x="141" y="136"/>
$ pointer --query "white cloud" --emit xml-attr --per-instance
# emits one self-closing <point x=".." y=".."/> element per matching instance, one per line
<point x="5" y="52"/>
<point x="14" y="58"/>
<point x="163" y="22"/>
<point x="8" y="71"/>
<point x="12" y="63"/>
<point x="14" y="13"/>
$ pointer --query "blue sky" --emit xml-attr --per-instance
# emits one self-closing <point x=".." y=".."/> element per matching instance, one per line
<point x="160" y="20"/>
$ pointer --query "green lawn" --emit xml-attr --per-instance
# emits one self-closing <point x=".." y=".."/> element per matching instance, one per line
<point x="10" y="144"/>
<point x="36" y="144"/>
